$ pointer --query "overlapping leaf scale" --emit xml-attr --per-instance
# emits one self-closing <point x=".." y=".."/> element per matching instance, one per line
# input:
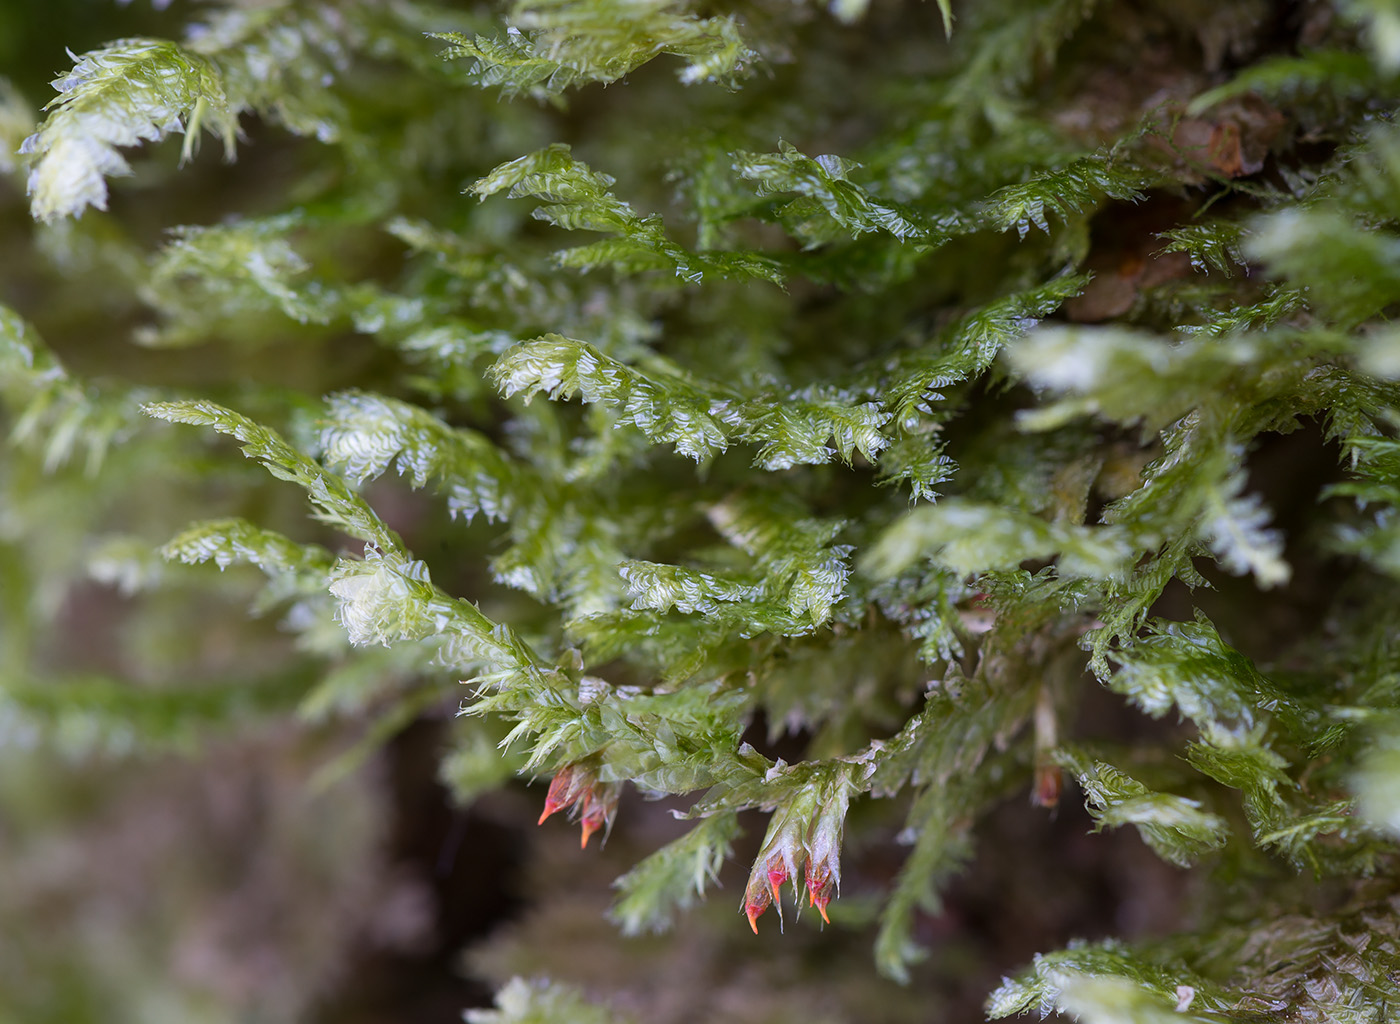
<point x="551" y="46"/>
<point x="1175" y="827"/>
<point x="825" y="181"/>
<point x="577" y="197"/>
<point x="366" y="435"/>
<point x="974" y="537"/>
<point x="699" y="419"/>
<point x="1063" y="192"/>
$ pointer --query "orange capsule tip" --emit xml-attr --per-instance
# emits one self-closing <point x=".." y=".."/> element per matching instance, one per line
<point x="753" y="913"/>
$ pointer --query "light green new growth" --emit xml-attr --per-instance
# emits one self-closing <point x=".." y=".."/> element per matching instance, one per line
<point x="121" y="96"/>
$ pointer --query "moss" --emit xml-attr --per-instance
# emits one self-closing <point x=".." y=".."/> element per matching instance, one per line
<point x="827" y="419"/>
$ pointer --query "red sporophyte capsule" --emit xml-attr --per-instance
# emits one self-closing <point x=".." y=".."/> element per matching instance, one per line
<point x="777" y="875"/>
<point x="764" y="888"/>
<point x="803" y="833"/>
<point x="819" y="888"/>
<point x="823" y="875"/>
<point x="594" y="817"/>
<point x="598" y="809"/>
<point x="568" y="784"/>
<point x="758" y="897"/>
<point x="594" y="803"/>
